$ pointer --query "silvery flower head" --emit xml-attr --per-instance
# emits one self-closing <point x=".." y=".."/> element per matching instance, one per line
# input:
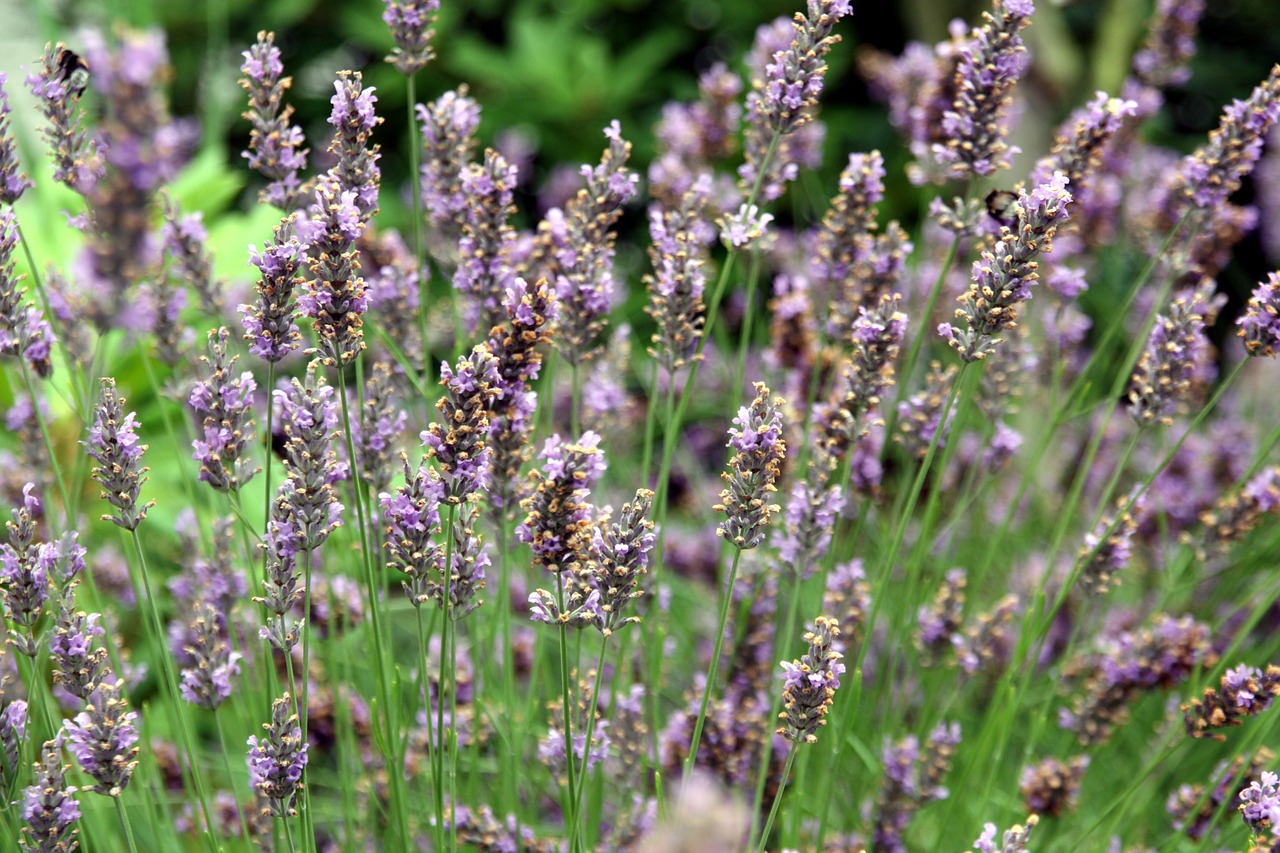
<point x="759" y="449"/>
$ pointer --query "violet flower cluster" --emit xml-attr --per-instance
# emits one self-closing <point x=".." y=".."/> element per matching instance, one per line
<point x="77" y="160"/>
<point x="276" y="147"/>
<point x="459" y="442"/>
<point x="12" y="182"/>
<point x="975" y="128"/>
<point x="753" y="471"/>
<point x="1260" y="323"/>
<point x="559" y="515"/>
<point x="810" y="684"/>
<point x="103" y="738"/>
<point x="411" y="518"/>
<point x="1244" y="691"/>
<point x="530" y="309"/>
<point x="621" y="555"/>
<point x="49" y="807"/>
<point x="24" y="331"/>
<point x="1002" y="278"/>
<point x="223" y="405"/>
<point x="410" y="23"/>
<point x="113" y="444"/>
<point x="308" y="419"/>
<point x="270" y="323"/>
<point x="679" y="278"/>
<point x="277" y="760"/>
<point x="485" y="270"/>
<point x="574" y="248"/>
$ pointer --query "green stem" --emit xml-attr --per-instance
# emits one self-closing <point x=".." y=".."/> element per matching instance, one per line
<point x="447" y="639"/>
<point x="777" y="800"/>
<point x="793" y="612"/>
<point x="126" y="826"/>
<point x="574" y="837"/>
<point x="395" y="765"/>
<point x="565" y="678"/>
<point x="725" y="602"/>
<point x="171" y="681"/>
<point x="415" y="193"/>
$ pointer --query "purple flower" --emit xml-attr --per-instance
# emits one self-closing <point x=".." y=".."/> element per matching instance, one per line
<point x="448" y="139"/>
<point x="794" y="76"/>
<point x="77" y="665"/>
<point x="378" y="430"/>
<point x="12" y="182"/>
<point x="223" y="404"/>
<point x="410" y="23"/>
<point x="49" y="807"/>
<point x="876" y="337"/>
<point x="810" y="684"/>
<point x="1243" y="692"/>
<point x="411" y="515"/>
<point x="103" y="739"/>
<point x="1170" y="363"/>
<point x="308" y="418"/>
<point x="621" y="556"/>
<point x="744" y="227"/>
<point x="974" y="129"/>
<point x="335" y="298"/>
<point x="276" y="147"/>
<point x="679" y="278"/>
<point x="1014" y="839"/>
<point x="559" y="520"/>
<point x="753" y="470"/>
<point x="185" y="239"/>
<point x="1260" y="803"/>
<point x="1171" y="42"/>
<point x="207" y="681"/>
<point x="113" y="443"/>
<point x="356" y="170"/>
<point x="485" y="271"/>
<point x="13" y="734"/>
<point x="1003" y="276"/>
<point x="269" y="323"/>
<point x="1260" y="324"/>
<point x="1214" y="171"/>
<point x="574" y="248"/>
<point x="277" y="760"/>
<point x="459" y="442"/>
<point x="24" y="332"/>
<point x="77" y="160"/>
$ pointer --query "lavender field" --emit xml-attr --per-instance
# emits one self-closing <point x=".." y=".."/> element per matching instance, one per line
<point x="685" y="499"/>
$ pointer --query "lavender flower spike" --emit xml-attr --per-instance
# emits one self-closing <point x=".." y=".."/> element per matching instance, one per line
<point x="1169" y="365"/>
<point x="1003" y="276"/>
<point x="460" y="446"/>
<point x="336" y="297"/>
<point x="113" y="443"/>
<point x="275" y="146"/>
<point x="103" y="739"/>
<point x="1260" y="803"/>
<point x="224" y="404"/>
<point x="269" y="324"/>
<point x="1215" y="170"/>
<point x="410" y="23"/>
<point x="622" y="553"/>
<point x="753" y="471"/>
<point x="77" y="161"/>
<point x="353" y="118"/>
<point x="207" y="682"/>
<point x="412" y="517"/>
<point x="13" y="734"/>
<point x="49" y="807"/>
<point x="975" y="128"/>
<point x="810" y="684"/>
<point x="795" y="76"/>
<point x="12" y="182"/>
<point x="24" y="332"/>
<point x="277" y="760"/>
<point x="1014" y="839"/>
<point x="1260" y="325"/>
<point x="24" y="579"/>
<point x="558" y="524"/>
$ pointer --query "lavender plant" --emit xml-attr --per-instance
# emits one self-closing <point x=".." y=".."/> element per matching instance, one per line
<point x="1107" y="648"/>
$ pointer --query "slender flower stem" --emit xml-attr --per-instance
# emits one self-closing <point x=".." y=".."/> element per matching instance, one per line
<point x="395" y="763"/>
<point x="415" y="193"/>
<point x="777" y="800"/>
<point x="748" y="321"/>
<point x="575" y="399"/>
<point x="651" y="420"/>
<point x="49" y="449"/>
<point x="226" y="766"/>
<point x="788" y="630"/>
<point x="726" y="600"/>
<point x="159" y="637"/>
<point x="449" y="679"/>
<point x="565" y="677"/>
<point x="304" y="706"/>
<point x="123" y="815"/>
<point x="433" y="748"/>
<point x="586" y="749"/>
